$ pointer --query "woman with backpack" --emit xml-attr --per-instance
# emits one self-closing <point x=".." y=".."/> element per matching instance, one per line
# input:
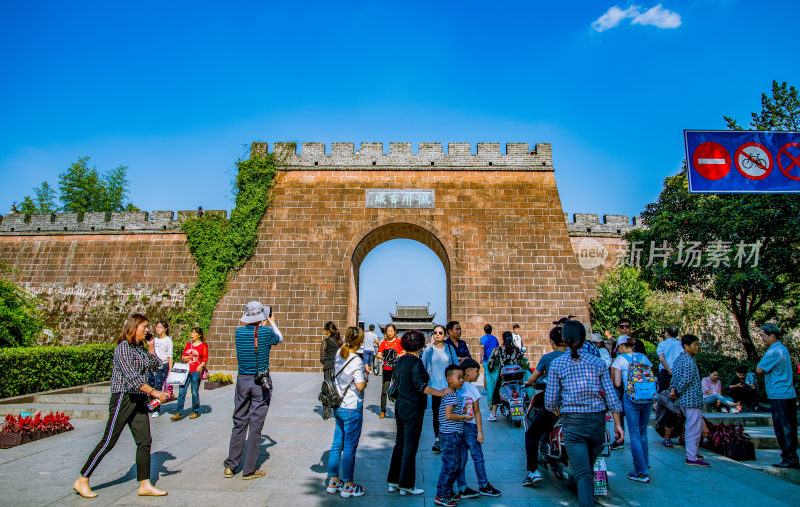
<point x="630" y="370"/>
<point x="350" y="380"/>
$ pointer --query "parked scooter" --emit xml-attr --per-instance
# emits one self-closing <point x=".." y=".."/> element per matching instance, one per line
<point x="513" y="398"/>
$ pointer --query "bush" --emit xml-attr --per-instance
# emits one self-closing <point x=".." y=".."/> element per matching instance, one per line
<point x="26" y="370"/>
<point x="20" y="320"/>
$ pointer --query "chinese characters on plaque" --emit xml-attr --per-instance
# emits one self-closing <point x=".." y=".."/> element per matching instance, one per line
<point x="400" y="198"/>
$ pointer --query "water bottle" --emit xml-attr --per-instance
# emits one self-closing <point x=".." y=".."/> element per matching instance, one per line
<point x="153" y="404"/>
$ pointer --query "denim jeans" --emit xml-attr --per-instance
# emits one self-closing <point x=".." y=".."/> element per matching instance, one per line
<point x="369" y="358"/>
<point x="157" y="378"/>
<point x="471" y="444"/>
<point x="451" y="444"/>
<point x="583" y="439"/>
<point x="342" y="458"/>
<point x="194" y="381"/>
<point x="638" y="414"/>
<point x="711" y="401"/>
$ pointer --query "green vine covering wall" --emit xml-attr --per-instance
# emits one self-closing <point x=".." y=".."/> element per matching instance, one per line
<point x="221" y="246"/>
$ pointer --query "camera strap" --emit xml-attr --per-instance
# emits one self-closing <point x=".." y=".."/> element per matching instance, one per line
<point x="255" y="344"/>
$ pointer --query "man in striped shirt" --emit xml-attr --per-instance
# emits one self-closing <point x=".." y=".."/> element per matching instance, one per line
<point x="253" y="395"/>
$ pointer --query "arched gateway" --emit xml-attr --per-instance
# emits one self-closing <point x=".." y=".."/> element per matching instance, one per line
<point x="494" y="220"/>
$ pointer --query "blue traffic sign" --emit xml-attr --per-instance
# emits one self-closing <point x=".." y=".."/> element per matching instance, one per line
<point x="742" y="161"/>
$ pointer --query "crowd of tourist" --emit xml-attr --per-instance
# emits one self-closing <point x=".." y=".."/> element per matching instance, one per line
<point x="590" y="380"/>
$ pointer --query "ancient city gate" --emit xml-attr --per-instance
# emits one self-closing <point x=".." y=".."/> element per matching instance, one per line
<point x="495" y="221"/>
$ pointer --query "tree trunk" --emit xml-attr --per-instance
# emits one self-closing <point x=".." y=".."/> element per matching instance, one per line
<point x="743" y="320"/>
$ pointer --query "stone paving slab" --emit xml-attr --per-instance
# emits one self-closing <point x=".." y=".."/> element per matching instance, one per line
<point x="187" y="461"/>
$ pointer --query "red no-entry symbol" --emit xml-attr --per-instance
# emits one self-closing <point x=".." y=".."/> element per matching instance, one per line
<point x="711" y="160"/>
<point x="794" y="160"/>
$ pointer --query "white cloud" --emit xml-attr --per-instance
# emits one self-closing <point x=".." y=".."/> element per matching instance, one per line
<point x="658" y="16"/>
<point x="655" y="16"/>
<point x="613" y="16"/>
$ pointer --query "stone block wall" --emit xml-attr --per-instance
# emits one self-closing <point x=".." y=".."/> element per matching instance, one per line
<point x="498" y="223"/>
<point x="497" y="226"/>
<point x="89" y="283"/>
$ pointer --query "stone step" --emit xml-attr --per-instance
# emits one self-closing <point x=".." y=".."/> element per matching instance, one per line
<point x="95" y="412"/>
<point x="73" y="399"/>
<point x="763" y="437"/>
<point x="744" y="418"/>
<point x="97" y="390"/>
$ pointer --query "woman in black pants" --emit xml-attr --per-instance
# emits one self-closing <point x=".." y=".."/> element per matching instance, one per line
<point x="579" y="387"/>
<point x="128" y="405"/>
<point x="412" y="386"/>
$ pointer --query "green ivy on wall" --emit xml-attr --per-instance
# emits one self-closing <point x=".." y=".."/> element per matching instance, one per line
<point x="221" y="246"/>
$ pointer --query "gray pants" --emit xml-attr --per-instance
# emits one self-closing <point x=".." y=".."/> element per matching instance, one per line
<point x="583" y="437"/>
<point x="252" y="405"/>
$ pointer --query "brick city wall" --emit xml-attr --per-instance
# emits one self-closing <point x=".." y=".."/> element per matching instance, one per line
<point x="497" y="225"/>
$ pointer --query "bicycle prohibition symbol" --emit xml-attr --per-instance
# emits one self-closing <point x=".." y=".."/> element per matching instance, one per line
<point x="753" y="161"/>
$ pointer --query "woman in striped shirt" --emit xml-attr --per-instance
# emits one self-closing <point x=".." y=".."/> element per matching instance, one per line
<point x="128" y="406"/>
<point x="579" y="387"/>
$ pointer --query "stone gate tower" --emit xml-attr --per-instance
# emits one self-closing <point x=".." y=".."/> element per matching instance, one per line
<point x="494" y="220"/>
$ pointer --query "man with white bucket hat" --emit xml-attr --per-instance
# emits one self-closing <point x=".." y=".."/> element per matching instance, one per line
<point x="253" y="387"/>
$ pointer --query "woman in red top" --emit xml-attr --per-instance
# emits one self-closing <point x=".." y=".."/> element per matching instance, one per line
<point x="389" y="350"/>
<point x="196" y="354"/>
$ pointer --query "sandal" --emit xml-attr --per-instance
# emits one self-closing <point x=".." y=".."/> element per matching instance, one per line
<point x="668" y="443"/>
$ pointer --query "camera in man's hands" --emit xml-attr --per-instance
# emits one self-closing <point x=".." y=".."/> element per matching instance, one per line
<point x="263" y="379"/>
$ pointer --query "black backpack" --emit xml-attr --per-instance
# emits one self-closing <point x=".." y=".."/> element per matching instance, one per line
<point x="328" y="394"/>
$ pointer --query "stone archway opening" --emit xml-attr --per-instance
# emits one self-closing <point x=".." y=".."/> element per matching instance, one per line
<point x="381" y="233"/>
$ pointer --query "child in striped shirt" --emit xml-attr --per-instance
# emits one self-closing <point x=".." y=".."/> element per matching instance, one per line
<point x="451" y="435"/>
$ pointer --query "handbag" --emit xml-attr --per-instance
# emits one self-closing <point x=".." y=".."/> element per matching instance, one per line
<point x="178" y="375"/>
<point x="329" y="395"/>
<point x="204" y="374"/>
<point x="391" y="393"/>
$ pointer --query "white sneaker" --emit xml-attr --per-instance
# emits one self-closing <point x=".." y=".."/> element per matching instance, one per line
<point x="492" y="417"/>
<point x="392" y="487"/>
<point x="155" y="414"/>
<point x="413" y="491"/>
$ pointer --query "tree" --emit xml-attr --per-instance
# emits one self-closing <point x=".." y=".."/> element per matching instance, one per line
<point x="727" y="225"/>
<point x="622" y="293"/>
<point x="82" y="189"/>
<point x="45" y="201"/>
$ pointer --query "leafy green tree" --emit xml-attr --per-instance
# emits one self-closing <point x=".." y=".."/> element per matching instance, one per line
<point x="46" y="198"/>
<point x="623" y="293"/>
<point x="731" y="270"/>
<point x="82" y="189"/>
<point x="20" y="320"/>
<point x="45" y="201"/>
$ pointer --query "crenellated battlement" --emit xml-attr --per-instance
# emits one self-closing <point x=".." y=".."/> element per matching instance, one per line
<point x="517" y="156"/>
<point x="589" y="224"/>
<point x="137" y="221"/>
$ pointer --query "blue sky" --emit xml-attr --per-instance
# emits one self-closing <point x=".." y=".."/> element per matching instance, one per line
<point x="177" y="90"/>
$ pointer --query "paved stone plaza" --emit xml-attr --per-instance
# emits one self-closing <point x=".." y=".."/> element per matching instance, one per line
<point x="187" y="461"/>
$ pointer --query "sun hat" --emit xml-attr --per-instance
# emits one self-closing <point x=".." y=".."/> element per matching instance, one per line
<point x="255" y="312"/>
<point x="624" y="340"/>
<point x="596" y="338"/>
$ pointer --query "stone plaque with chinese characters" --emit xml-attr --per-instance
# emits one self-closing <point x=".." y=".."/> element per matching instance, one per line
<point x="401" y="198"/>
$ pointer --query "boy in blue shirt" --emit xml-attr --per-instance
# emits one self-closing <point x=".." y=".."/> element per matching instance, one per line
<point x="473" y="436"/>
<point x="451" y="435"/>
<point x="489" y="342"/>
